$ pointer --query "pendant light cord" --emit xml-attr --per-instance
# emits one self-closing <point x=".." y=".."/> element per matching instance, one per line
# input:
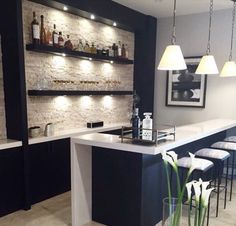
<point x="209" y="31"/>
<point x="232" y="34"/>
<point x="173" y="38"/>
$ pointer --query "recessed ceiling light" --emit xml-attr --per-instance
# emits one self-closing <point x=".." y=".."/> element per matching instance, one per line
<point x="111" y="61"/>
<point x="90" y="59"/>
<point x="92" y="17"/>
<point x="63" y="54"/>
<point x="114" y="24"/>
<point x="65" y="8"/>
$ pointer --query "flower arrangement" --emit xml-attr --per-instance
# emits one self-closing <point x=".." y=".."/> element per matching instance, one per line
<point x="201" y="191"/>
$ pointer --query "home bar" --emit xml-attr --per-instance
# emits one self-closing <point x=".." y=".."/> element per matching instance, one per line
<point x="117" y="113"/>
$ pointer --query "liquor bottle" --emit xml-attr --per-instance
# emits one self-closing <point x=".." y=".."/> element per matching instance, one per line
<point x="68" y="43"/>
<point x="111" y="52"/>
<point x="81" y="46"/>
<point x="99" y="50"/>
<point x="119" y="49"/>
<point x="35" y="30"/>
<point x="93" y="49"/>
<point x="48" y="37"/>
<point x="135" y="124"/>
<point x="55" y="36"/>
<point x="115" y="50"/>
<point x="126" y="51"/>
<point x="60" y="40"/>
<point x="123" y="51"/>
<point x="87" y="47"/>
<point x="43" y="39"/>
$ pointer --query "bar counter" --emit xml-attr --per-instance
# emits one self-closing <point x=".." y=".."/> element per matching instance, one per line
<point x="116" y="183"/>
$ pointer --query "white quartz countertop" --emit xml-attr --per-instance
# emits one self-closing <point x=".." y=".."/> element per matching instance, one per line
<point x="184" y="134"/>
<point x="75" y="132"/>
<point x="7" y="143"/>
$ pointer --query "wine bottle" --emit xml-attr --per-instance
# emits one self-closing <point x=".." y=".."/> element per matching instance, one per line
<point x="43" y="39"/>
<point x="35" y="30"/>
<point x="123" y="51"/>
<point x="55" y="36"/>
<point x="119" y="49"/>
<point x="60" y="40"/>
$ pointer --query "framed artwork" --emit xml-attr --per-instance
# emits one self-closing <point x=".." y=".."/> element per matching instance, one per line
<point x="185" y="88"/>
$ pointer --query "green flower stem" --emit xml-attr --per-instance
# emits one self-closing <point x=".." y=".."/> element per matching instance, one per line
<point x="196" y="218"/>
<point x="204" y="216"/>
<point x="189" y="216"/>
<point x="178" y="182"/>
<point x="168" y="185"/>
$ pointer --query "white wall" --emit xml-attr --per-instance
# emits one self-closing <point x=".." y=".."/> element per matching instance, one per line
<point x="192" y="36"/>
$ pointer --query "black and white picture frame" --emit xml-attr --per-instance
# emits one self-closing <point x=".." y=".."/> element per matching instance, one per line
<point x="185" y="88"/>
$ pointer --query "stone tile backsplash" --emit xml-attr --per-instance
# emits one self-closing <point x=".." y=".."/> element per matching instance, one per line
<point x="43" y="71"/>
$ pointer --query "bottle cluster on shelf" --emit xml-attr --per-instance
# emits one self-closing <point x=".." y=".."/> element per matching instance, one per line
<point x="54" y="38"/>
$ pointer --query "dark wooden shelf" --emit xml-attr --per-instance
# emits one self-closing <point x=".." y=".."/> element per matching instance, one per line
<point x="76" y="54"/>
<point x="76" y="93"/>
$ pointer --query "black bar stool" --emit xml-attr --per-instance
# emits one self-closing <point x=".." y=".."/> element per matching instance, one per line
<point x="218" y="157"/>
<point x="231" y="148"/>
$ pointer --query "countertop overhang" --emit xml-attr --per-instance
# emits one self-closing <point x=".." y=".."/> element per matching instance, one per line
<point x="184" y="134"/>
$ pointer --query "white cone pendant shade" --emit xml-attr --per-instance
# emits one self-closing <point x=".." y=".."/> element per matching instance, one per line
<point x="172" y="59"/>
<point x="207" y="65"/>
<point x="229" y="69"/>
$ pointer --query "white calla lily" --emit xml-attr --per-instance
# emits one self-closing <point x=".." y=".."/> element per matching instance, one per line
<point x="193" y="163"/>
<point x="197" y="190"/>
<point x="174" y="156"/>
<point x="206" y="196"/>
<point x="168" y="159"/>
<point x="204" y="184"/>
<point x="189" y="189"/>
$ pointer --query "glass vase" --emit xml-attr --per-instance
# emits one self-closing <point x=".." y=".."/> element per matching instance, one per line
<point x="172" y="212"/>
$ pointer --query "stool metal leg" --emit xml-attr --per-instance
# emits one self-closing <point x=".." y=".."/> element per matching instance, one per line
<point x="226" y="183"/>
<point x="232" y="176"/>
<point x="218" y="195"/>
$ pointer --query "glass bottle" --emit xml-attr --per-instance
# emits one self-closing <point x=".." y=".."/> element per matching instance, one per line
<point x="60" y="40"/>
<point x="104" y="52"/>
<point x="135" y="124"/>
<point x="87" y="47"/>
<point x="55" y="36"/>
<point x="123" y="51"/>
<point x="48" y="37"/>
<point x="126" y="51"/>
<point x="111" y="52"/>
<point x="43" y="39"/>
<point x="80" y="46"/>
<point x="119" y="49"/>
<point x="93" y="49"/>
<point x="35" y="30"/>
<point x="68" y="43"/>
<point x="99" y="50"/>
<point x="114" y="48"/>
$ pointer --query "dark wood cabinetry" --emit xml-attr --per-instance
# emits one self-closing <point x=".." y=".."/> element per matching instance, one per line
<point x="49" y="169"/>
<point x="11" y="181"/>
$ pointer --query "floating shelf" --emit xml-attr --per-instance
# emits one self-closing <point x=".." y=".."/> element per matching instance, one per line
<point x="71" y="53"/>
<point x="76" y="93"/>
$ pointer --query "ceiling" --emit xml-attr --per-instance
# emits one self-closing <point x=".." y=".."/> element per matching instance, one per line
<point x="164" y="8"/>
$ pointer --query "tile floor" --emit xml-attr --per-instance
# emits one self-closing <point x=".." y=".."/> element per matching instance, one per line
<point x="57" y="212"/>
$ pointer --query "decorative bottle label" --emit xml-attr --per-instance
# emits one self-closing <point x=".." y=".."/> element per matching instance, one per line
<point x="55" y="38"/>
<point x="36" y="32"/>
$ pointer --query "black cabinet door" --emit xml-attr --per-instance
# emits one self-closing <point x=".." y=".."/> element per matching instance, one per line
<point x="60" y="166"/>
<point x="40" y="175"/>
<point x="49" y="169"/>
<point x="11" y="181"/>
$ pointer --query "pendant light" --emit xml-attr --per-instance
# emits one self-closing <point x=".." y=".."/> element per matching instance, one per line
<point x="172" y="58"/>
<point x="207" y="64"/>
<point x="229" y="69"/>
